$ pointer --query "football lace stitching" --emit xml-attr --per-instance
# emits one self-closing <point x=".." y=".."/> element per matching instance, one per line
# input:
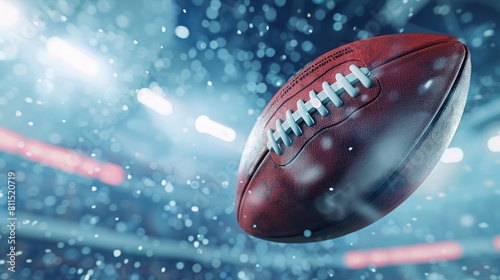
<point x="316" y="102"/>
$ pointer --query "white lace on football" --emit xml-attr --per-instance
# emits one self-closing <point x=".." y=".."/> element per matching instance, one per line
<point x="316" y="102"/>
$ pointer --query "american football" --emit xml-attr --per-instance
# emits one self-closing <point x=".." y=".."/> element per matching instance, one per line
<point x="351" y="136"/>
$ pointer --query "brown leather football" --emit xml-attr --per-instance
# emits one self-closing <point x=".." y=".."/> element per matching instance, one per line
<point x="351" y="136"/>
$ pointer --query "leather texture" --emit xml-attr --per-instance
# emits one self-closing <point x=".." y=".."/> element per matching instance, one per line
<point x="359" y="162"/>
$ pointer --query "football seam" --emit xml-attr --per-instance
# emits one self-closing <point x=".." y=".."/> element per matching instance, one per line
<point x="427" y="131"/>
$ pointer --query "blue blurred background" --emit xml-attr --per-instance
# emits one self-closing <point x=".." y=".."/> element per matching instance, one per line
<point x="124" y="121"/>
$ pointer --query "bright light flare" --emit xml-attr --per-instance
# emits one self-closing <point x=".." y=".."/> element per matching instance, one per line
<point x="72" y="56"/>
<point x="9" y="14"/>
<point x="182" y="32"/>
<point x="155" y="101"/>
<point x="452" y="155"/>
<point x="494" y="144"/>
<point x="205" y="125"/>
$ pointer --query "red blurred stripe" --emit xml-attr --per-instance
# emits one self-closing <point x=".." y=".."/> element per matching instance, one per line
<point x="111" y="174"/>
<point x="421" y="253"/>
<point x="9" y="141"/>
<point x="60" y="158"/>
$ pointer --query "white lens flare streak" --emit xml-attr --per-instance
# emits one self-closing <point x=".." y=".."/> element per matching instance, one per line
<point x="72" y="56"/>
<point x="205" y="125"/>
<point x="452" y="155"/>
<point x="155" y="101"/>
<point x="494" y="144"/>
<point x="9" y="14"/>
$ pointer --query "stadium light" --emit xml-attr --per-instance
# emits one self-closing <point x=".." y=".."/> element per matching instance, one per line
<point x="155" y="101"/>
<point x="452" y="155"/>
<point x="72" y="56"/>
<point x="494" y="144"/>
<point x="205" y="125"/>
<point x="182" y="32"/>
<point x="9" y="14"/>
